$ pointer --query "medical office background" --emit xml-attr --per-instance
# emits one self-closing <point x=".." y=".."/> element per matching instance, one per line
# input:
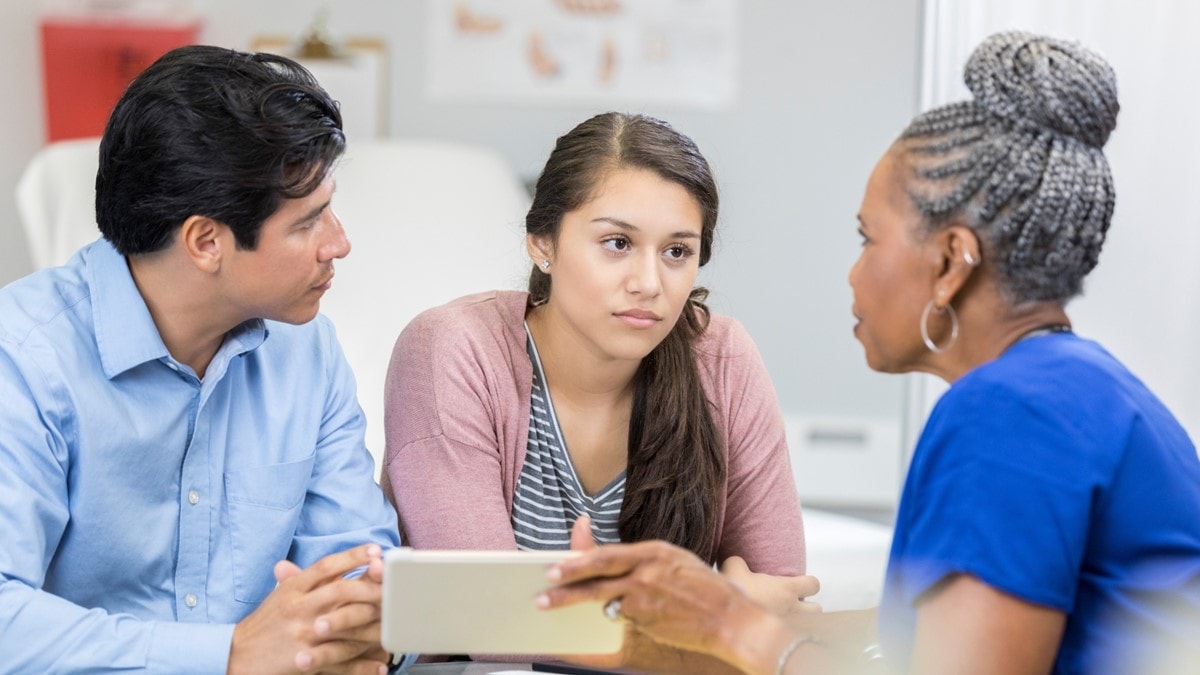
<point x="819" y="89"/>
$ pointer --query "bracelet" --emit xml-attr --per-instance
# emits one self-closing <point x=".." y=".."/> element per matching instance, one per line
<point x="873" y="652"/>
<point x="791" y="649"/>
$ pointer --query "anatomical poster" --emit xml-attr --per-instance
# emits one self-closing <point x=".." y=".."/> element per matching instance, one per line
<point x="673" y="52"/>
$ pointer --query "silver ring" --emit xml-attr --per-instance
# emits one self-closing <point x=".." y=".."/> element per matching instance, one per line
<point x="612" y="609"/>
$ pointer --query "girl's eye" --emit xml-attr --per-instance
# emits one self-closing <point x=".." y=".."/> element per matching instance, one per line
<point x="618" y="244"/>
<point x="679" y="252"/>
<point x="863" y="235"/>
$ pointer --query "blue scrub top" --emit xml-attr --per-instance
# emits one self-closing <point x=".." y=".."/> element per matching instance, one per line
<point x="1054" y="475"/>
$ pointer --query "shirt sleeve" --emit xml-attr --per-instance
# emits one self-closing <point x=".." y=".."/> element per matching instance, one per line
<point x="435" y="476"/>
<point x="1001" y="490"/>
<point x="42" y="632"/>
<point x="444" y="460"/>
<point x="343" y="507"/>
<point x="762" y="515"/>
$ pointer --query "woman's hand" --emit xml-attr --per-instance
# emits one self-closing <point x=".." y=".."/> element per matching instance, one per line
<point x="782" y="595"/>
<point x="672" y="596"/>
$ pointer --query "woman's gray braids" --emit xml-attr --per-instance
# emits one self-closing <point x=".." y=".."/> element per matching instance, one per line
<point x="1022" y="164"/>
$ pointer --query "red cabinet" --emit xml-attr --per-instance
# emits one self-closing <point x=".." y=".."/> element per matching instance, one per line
<point x="87" y="63"/>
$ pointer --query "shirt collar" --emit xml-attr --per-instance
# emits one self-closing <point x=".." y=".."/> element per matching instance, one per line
<point x="126" y="336"/>
<point x="245" y="337"/>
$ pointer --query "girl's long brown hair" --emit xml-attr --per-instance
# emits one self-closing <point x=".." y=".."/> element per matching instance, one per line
<point x="676" y="464"/>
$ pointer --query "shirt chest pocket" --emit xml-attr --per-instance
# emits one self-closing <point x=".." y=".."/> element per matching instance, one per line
<point x="264" y="510"/>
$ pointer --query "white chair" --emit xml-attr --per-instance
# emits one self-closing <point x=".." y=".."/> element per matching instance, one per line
<point x="56" y="200"/>
<point x="429" y="221"/>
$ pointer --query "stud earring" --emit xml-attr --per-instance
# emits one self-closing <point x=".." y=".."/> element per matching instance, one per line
<point x="545" y="265"/>
<point x="970" y="259"/>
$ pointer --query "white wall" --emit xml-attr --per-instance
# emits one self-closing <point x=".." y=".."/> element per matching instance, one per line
<point x="824" y="88"/>
<point x="22" y="132"/>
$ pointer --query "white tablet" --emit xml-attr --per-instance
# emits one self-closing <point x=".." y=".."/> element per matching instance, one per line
<point x="470" y="602"/>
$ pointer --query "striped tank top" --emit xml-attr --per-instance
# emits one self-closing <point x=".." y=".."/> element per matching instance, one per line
<point x="549" y="497"/>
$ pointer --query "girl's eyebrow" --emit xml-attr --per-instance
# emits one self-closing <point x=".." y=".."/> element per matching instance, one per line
<point x="682" y="234"/>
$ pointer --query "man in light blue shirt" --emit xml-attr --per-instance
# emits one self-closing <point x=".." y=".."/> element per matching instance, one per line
<point x="183" y="481"/>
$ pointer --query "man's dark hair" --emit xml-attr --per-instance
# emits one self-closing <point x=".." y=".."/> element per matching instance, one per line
<point x="212" y="132"/>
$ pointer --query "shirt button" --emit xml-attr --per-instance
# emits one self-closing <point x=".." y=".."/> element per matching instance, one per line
<point x="190" y="600"/>
<point x="172" y="366"/>
<point x="193" y="497"/>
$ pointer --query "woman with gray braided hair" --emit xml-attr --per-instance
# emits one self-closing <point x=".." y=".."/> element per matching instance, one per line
<point x="1050" y="520"/>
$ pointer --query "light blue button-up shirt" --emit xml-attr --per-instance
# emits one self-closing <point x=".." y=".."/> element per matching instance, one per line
<point x="142" y="509"/>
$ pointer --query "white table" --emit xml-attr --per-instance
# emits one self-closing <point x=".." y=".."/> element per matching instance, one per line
<point x="849" y="556"/>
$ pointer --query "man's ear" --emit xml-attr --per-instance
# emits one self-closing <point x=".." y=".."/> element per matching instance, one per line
<point x="541" y="250"/>
<point x="959" y="255"/>
<point x="204" y="241"/>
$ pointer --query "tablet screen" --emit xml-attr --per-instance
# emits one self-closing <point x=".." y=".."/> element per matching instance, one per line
<point x="456" y="602"/>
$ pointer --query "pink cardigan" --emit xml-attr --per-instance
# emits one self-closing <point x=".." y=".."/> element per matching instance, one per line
<point x="457" y="419"/>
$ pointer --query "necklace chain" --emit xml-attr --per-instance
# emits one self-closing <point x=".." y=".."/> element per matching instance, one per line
<point x="1047" y="329"/>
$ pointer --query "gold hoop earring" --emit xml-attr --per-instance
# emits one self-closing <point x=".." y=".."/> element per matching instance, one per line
<point x="925" y="329"/>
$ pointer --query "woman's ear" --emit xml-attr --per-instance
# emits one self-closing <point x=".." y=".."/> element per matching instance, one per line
<point x="541" y="250"/>
<point x="959" y="255"/>
<point x="203" y="240"/>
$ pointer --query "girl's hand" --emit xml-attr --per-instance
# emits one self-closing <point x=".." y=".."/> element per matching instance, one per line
<point x="781" y="595"/>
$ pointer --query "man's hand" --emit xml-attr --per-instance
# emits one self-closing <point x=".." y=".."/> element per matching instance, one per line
<point x="316" y="620"/>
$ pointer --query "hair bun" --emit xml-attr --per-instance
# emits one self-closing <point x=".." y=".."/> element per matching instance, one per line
<point x="1055" y="84"/>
